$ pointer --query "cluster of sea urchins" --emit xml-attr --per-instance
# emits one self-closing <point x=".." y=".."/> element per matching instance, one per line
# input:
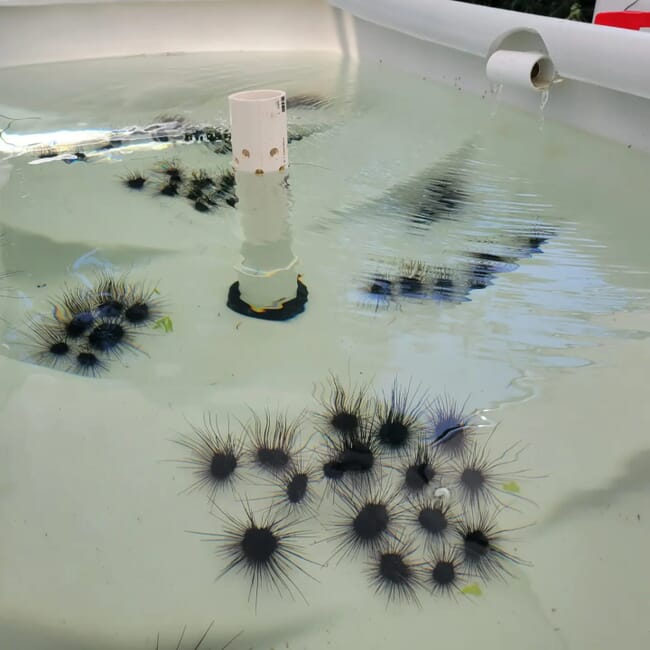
<point x="477" y="269"/>
<point x="206" y="192"/>
<point x="415" y="491"/>
<point x="90" y="326"/>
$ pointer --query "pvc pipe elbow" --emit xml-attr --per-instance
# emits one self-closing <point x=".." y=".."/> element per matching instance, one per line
<point x="532" y="70"/>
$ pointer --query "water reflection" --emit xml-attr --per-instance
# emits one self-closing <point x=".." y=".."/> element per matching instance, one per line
<point x="475" y="269"/>
<point x="83" y="145"/>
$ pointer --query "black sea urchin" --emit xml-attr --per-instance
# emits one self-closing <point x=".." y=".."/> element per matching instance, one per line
<point x="450" y="428"/>
<point x="74" y="310"/>
<point x="296" y="487"/>
<point x="397" y="424"/>
<point x="134" y="180"/>
<point x="444" y="572"/>
<point x="480" y="480"/>
<point x="215" y="458"/>
<point x="420" y="470"/>
<point x="87" y="364"/>
<point x="344" y="410"/>
<point x="272" y="441"/>
<point x="50" y="343"/>
<point x="365" y="523"/>
<point x="264" y="549"/>
<point x="482" y="543"/>
<point x="352" y="462"/>
<point x="392" y="571"/>
<point x="434" y="519"/>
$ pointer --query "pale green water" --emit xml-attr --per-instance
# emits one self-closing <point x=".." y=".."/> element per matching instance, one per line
<point x="94" y="549"/>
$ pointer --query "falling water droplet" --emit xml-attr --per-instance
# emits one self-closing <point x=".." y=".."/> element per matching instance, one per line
<point x="496" y="89"/>
<point x="543" y="100"/>
<point x="544" y="95"/>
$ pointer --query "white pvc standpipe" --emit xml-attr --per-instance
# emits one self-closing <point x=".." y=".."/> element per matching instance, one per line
<point x="258" y="121"/>
<point x="266" y="275"/>
<point x="532" y="70"/>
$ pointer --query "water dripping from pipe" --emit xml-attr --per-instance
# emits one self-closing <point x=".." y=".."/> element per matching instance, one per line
<point x="496" y="89"/>
<point x="543" y="100"/>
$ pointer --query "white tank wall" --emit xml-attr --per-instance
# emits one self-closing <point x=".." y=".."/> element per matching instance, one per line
<point x="37" y="31"/>
<point x="606" y="87"/>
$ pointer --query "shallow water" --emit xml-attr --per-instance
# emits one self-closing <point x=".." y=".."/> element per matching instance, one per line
<point x="394" y="173"/>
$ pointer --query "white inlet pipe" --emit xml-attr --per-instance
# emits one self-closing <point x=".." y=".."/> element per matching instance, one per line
<point x="532" y="70"/>
<point x="268" y="286"/>
<point x="258" y="120"/>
